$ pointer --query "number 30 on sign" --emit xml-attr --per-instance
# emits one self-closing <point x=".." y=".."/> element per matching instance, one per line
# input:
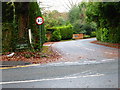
<point x="39" y="20"/>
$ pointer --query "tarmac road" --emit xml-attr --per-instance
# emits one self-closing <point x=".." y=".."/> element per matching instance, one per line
<point x="83" y="50"/>
<point x="86" y="65"/>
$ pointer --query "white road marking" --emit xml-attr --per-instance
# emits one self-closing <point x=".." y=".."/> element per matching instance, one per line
<point x="107" y="60"/>
<point x="89" y="49"/>
<point x="85" y="48"/>
<point x="86" y="71"/>
<point x="39" y="80"/>
<point x="108" y="52"/>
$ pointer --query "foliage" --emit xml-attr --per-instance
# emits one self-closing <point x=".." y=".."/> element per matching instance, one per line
<point x="7" y="36"/>
<point x="86" y="36"/>
<point x="77" y="18"/>
<point x="7" y="12"/>
<point x="54" y="18"/>
<point x="93" y="34"/>
<point x="78" y="27"/>
<point x="107" y="22"/>
<point x="74" y="14"/>
<point x="65" y="31"/>
<point x="37" y="30"/>
<point x="21" y="16"/>
<point x="104" y="36"/>
<point x="56" y="36"/>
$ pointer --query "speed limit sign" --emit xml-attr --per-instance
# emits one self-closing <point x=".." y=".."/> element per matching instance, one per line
<point x="39" y="20"/>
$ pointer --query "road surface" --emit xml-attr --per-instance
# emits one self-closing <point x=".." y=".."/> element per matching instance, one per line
<point x="83" y="65"/>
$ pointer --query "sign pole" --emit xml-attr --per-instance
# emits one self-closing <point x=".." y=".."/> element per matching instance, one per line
<point x="40" y="21"/>
<point x="40" y="36"/>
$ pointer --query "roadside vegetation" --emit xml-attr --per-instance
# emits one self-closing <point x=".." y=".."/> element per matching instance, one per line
<point x="17" y="19"/>
<point x="92" y="19"/>
<point x="46" y="55"/>
<point x="106" y="15"/>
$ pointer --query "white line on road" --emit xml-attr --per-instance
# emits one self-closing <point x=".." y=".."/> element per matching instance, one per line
<point x="108" y="52"/>
<point x="85" y="48"/>
<point x="107" y="60"/>
<point x="28" y="81"/>
<point x="89" y="49"/>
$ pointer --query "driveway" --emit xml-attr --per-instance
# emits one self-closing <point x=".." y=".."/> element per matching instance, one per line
<point x="82" y="51"/>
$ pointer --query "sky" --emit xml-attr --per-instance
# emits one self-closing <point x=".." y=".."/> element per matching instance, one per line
<point x="60" y="5"/>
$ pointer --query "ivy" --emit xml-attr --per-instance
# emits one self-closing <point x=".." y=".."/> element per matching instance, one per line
<point x="21" y="16"/>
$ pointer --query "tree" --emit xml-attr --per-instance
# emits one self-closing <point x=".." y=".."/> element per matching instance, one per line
<point x="107" y="22"/>
<point x="54" y="18"/>
<point x="18" y="17"/>
<point x="77" y="17"/>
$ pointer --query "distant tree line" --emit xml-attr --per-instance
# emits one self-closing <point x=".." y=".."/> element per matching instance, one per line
<point x="97" y="18"/>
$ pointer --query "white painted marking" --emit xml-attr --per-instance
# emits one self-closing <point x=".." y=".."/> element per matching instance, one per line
<point x="39" y="80"/>
<point x="107" y="60"/>
<point x="89" y="49"/>
<point x="88" y="62"/>
<point x="108" y="52"/>
<point x="85" y="48"/>
<point x="86" y="71"/>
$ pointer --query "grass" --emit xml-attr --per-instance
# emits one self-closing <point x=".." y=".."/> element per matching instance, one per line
<point x="46" y="50"/>
<point x="66" y="40"/>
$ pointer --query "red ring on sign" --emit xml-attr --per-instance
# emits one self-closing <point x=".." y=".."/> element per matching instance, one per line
<point x="42" y="20"/>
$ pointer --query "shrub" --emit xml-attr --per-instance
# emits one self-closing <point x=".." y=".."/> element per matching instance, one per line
<point x="114" y="35"/>
<point x="66" y="32"/>
<point x="93" y="34"/>
<point x="98" y="34"/>
<point x="104" y="36"/>
<point x="86" y="36"/>
<point x="56" y="36"/>
<point x="46" y="39"/>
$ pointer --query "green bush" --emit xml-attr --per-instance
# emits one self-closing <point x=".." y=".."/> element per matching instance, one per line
<point x="66" y="32"/>
<point x="104" y="36"/>
<point x="46" y="39"/>
<point x="93" y="34"/>
<point x="56" y="36"/>
<point x="108" y="26"/>
<point x="114" y="35"/>
<point x="86" y="36"/>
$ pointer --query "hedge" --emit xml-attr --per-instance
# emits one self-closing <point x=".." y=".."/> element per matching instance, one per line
<point x="108" y="35"/>
<point x="56" y="36"/>
<point x="66" y="32"/>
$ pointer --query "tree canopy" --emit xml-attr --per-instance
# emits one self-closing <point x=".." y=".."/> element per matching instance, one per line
<point x="106" y="15"/>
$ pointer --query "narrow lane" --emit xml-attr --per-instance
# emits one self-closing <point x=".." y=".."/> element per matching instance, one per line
<point x="81" y="50"/>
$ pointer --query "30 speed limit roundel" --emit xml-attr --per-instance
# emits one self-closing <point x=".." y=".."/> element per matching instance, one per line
<point x="39" y="20"/>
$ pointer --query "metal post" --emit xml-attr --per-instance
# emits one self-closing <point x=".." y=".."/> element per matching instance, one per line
<point x="40" y="36"/>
